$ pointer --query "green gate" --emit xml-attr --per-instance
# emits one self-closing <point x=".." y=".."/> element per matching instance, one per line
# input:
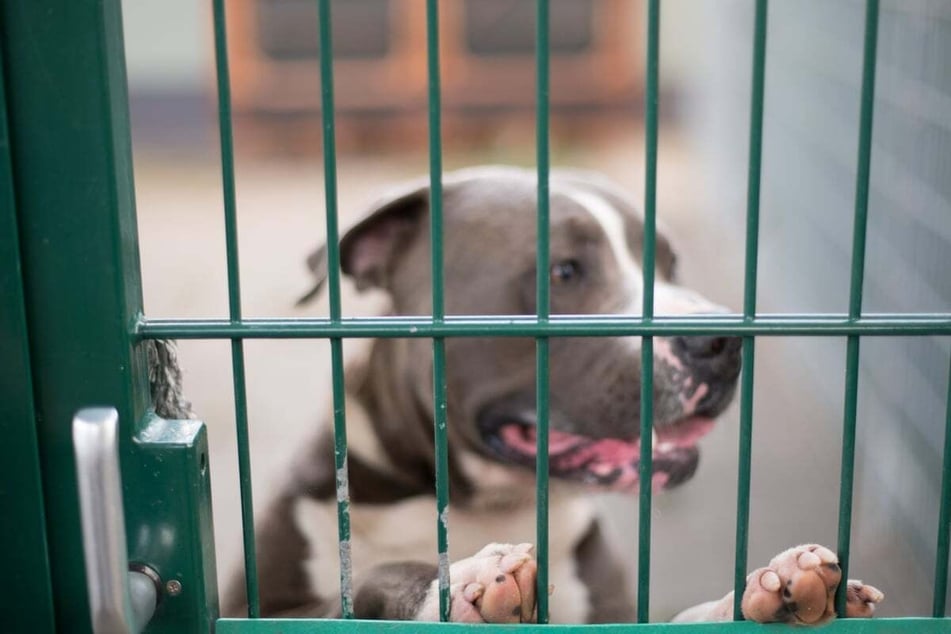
<point x="73" y="334"/>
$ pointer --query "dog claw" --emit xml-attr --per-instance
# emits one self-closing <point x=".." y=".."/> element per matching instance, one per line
<point x="511" y="563"/>
<point x="808" y="561"/>
<point x="473" y="591"/>
<point x="525" y="577"/>
<point x="770" y="581"/>
<point x="825" y="555"/>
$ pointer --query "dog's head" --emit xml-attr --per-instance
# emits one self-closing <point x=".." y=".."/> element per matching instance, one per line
<point x="490" y="269"/>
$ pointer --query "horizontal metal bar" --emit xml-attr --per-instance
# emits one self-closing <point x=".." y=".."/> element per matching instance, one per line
<point x="330" y="626"/>
<point x="896" y="325"/>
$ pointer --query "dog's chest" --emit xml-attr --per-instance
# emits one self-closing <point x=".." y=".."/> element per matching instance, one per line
<point x="406" y="531"/>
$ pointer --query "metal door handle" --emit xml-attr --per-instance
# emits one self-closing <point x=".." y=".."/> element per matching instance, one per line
<point x="121" y="600"/>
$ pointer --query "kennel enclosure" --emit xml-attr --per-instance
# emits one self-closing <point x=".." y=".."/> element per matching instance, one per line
<point x="74" y="333"/>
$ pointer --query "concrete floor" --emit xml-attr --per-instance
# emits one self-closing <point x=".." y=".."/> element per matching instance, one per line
<point x="281" y="205"/>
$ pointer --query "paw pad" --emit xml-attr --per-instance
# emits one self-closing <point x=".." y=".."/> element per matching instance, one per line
<point x="496" y="585"/>
<point x="799" y="586"/>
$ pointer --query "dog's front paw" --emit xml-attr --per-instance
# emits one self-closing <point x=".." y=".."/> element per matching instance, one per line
<point x="861" y="599"/>
<point x="799" y="586"/>
<point x="496" y="585"/>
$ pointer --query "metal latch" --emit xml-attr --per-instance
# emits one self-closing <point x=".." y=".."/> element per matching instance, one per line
<point x="122" y="599"/>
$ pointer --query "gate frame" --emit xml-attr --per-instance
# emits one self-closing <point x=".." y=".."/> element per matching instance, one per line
<point x="68" y="181"/>
<point x="67" y="105"/>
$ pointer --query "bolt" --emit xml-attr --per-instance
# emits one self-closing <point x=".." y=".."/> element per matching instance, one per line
<point x="173" y="587"/>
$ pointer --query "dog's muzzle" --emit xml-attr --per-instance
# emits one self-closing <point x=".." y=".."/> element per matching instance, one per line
<point x="707" y="367"/>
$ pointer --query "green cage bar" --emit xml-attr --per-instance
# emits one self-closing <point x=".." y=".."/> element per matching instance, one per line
<point x="305" y="626"/>
<point x="749" y="305"/>
<point x="646" y="466"/>
<point x="78" y="46"/>
<point x="234" y="307"/>
<point x="855" y="294"/>
<point x="542" y="97"/>
<point x="944" y="518"/>
<point x="918" y="325"/>
<point x="439" y="312"/>
<point x="333" y="285"/>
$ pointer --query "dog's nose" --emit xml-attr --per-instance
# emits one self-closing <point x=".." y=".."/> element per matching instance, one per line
<point x="719" y="355"/>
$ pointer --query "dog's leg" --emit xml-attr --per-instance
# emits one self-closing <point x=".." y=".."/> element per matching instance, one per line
<point x="609" y="594"/>
<point x="496" y="585"/>
<point x="797" y="587"/>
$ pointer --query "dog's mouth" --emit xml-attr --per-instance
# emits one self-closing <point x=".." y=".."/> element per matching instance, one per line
<point x="607" y="463"/>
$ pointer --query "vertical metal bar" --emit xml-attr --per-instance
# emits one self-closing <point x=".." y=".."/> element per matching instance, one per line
<point x="26" y="580"/>
<point x="749" y="305"/>
<point x="542" y="97"/>
<point x="855" y="294"/>
<point x="234" y="307"/>
<point x="646" y="466"/>
<point x="944" y="518"/>
<point x="439" y="343"/>
<point x="71" y="167"/>
<point x="333" y="286"/>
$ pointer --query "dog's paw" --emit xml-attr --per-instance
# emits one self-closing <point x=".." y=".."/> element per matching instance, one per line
<point x="860" y="599"/>
<point x="799" y="586"/>
<point x="496" y="585"/>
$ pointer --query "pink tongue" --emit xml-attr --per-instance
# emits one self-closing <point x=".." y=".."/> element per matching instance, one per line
<point x="610" y="450"/>
<point x="608" y="457"/>
<point x="524" y="439"/>
<point x="582" y="450"/>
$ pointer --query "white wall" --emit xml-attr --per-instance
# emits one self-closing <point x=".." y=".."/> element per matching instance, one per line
<point x="169" y="45"/>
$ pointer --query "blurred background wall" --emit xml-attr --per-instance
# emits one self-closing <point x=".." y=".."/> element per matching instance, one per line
<point x="810" y="147"/>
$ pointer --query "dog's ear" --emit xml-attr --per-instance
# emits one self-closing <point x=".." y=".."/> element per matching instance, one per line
<point x="317" y="264"/>
<point x="369" y="250"/>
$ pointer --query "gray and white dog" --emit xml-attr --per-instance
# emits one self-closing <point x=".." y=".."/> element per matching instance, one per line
<point x="490" y="269"/>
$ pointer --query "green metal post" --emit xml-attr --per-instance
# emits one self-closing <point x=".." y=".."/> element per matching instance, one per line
<point x="805" y="325"/>
<point x="333" y="282"/>
<point x="944" y="518"/>
<point x="439" y="313"/>
<point x="67" y="106"/>
<point x="328" y="626"/>
<point x="25" y="582"/>
<point x="171" y="491"/>
<point x="749" y="305"/>
<point x="543" y="292"/>
<point x="67" y="109"/>
<point x="855" y="294"/>
<point x="234" y="306"/>
<point x="646" y="467"/>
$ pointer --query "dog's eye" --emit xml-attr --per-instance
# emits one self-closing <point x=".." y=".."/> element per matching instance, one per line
<point x="565" y="271"/>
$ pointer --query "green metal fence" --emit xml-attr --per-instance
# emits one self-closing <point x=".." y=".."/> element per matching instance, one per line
<point x="78" y="327"/>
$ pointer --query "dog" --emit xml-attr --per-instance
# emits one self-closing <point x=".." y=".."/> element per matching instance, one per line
<point x="489" y="239"/>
